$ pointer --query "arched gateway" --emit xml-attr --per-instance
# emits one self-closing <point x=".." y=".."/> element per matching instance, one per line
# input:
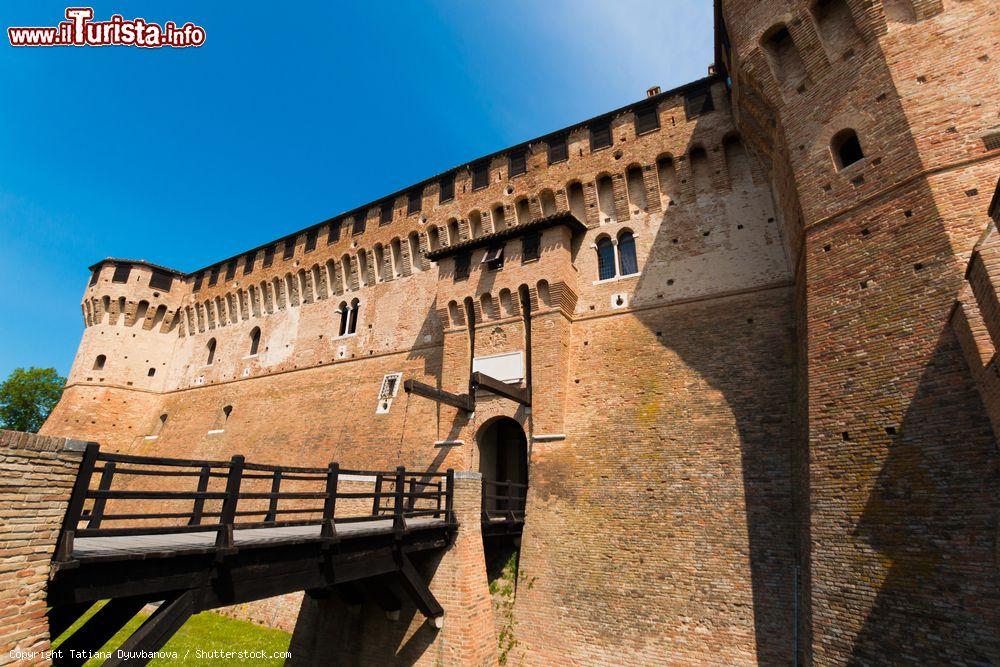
<point x="503" y="463"/>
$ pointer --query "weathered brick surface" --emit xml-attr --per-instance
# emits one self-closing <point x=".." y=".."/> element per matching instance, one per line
<point x="36" y="477"/>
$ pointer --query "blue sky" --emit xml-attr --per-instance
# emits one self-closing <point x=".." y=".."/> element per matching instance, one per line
<point x="185" y="156"/>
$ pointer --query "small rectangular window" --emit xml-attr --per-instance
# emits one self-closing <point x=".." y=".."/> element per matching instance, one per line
<point x="268" y="256"/>
<point x="198" y="280"/>
<point x="231" y="270"/>
<point x="493" y="254"/>
<point x="311" y="239"/>
<point x="94" y="275"/>
<point x="646" y="119"/>
<point x="360" y="222"/>
<point x="518" y="163"/>
<point x="414" y="201"/>
<point x="480" y="175"/>
<point x="385" y="213"/>
<point x="161" y="280"/>
<point x="600" y="135"/>
<point x="530" y="246"/>
<point x="213" y="277"/>
<point x="248" y="261"/>
<point x="462" y="263"/>
<point x="121" y="274"/>
<point x="333" y="232"/>
<point x="447" y="185"/>
<point x="698" y="102"/>
<point x="289" y="251"/>
<point x="558" y="151"/>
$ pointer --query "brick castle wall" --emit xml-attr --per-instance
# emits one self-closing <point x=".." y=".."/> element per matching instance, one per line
<point x="36" y="478"/>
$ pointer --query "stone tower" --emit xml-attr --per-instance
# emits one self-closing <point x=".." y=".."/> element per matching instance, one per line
<point x="876" y="122"/>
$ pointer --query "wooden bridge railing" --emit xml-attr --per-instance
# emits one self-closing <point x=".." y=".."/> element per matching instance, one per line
<point x="313" y="501"/>
<point x="504" y="500"/>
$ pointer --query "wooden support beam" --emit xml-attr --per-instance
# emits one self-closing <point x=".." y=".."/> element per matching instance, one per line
<point x="460" y="401"/>
<point x="417" y="589"/>
<point x="98" y="629"/>
<point x="511" y="391"/>
<point x="156" y="630"/>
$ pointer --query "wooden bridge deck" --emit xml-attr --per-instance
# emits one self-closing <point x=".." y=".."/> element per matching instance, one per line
<point x="124" y="547"/>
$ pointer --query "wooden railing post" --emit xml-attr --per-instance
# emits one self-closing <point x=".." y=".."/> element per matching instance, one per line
<point x="233" y="481"/>
<point x="199" y="503"/>
<point x="377" y="501"/>
<point x="510" y="496"/>
<point x="64" y="550"/>
<point x="449" y="499"/>
<point x="329" y="529"/>
<point x="398" y="520"/>
<point x="411" y="503"/>
<point x="272" y="508"/>
<point x="97" y="513"/>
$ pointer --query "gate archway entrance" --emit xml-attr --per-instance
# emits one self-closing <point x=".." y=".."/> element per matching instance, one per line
<point x="503" y="463"/>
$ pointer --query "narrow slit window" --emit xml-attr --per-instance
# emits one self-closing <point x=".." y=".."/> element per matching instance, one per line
<point x="213" y="277"/>
<point x="268" y="256"/>
<point x="230" y="270"/>
<point x="289" y="248"/>
<point x="248" y="261"/>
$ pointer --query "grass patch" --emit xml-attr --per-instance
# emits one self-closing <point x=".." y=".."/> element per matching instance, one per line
<point x="204" y="632"/>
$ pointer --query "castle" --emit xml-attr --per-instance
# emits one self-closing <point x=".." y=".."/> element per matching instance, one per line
<point x="756" y="317"/>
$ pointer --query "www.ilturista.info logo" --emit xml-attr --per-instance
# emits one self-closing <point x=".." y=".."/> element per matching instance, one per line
<point x="81" y="30"/>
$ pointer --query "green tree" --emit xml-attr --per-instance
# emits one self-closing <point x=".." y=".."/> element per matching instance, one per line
<point x="27" y="397"/>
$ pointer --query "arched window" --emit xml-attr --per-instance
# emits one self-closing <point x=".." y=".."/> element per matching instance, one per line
<point x="523" y="211"/>
<point x="161" y="312"/>
<point x="701" y="171"/>
<point x="291" y="286"/>
<point x="211" y="352"/>
<point x="433" y="238"/>
<point x="454" y="312"/>
<point x="106" y="307"/>
<point x="577" y="203"/>
<point x="254" y="341"/>
<point x="380" y="271"/>
<point x="636" y="187"/>
<point x="333" y="284"/>
<point x="413" y="241"/>
<point x="99" y="362"/>
<point x="542" y="288"/>
<point x="784" y="58"/>
<point x="846" y="148"/>
<point x="352" y="325"/>
<point x="396" y="250"/>
<point x="343" y="311"/>
<point x="548" y="201"/>
<point x="453" y="231"/>
<point x="486" y="305"/>
<point x="666" y="175"/>
<point x="499" y="220"/>
<point x="606" y="199"/>
<point x="346" y="270"/>
<point x="506" y="302"/>
<point x="836" y="27"/>
<point x="475" y="224"/>
<point x="318" y="288"/>
<point x="627" y="262"/>
<point x="140" y="312"/>
<point x="605" y="259"/>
